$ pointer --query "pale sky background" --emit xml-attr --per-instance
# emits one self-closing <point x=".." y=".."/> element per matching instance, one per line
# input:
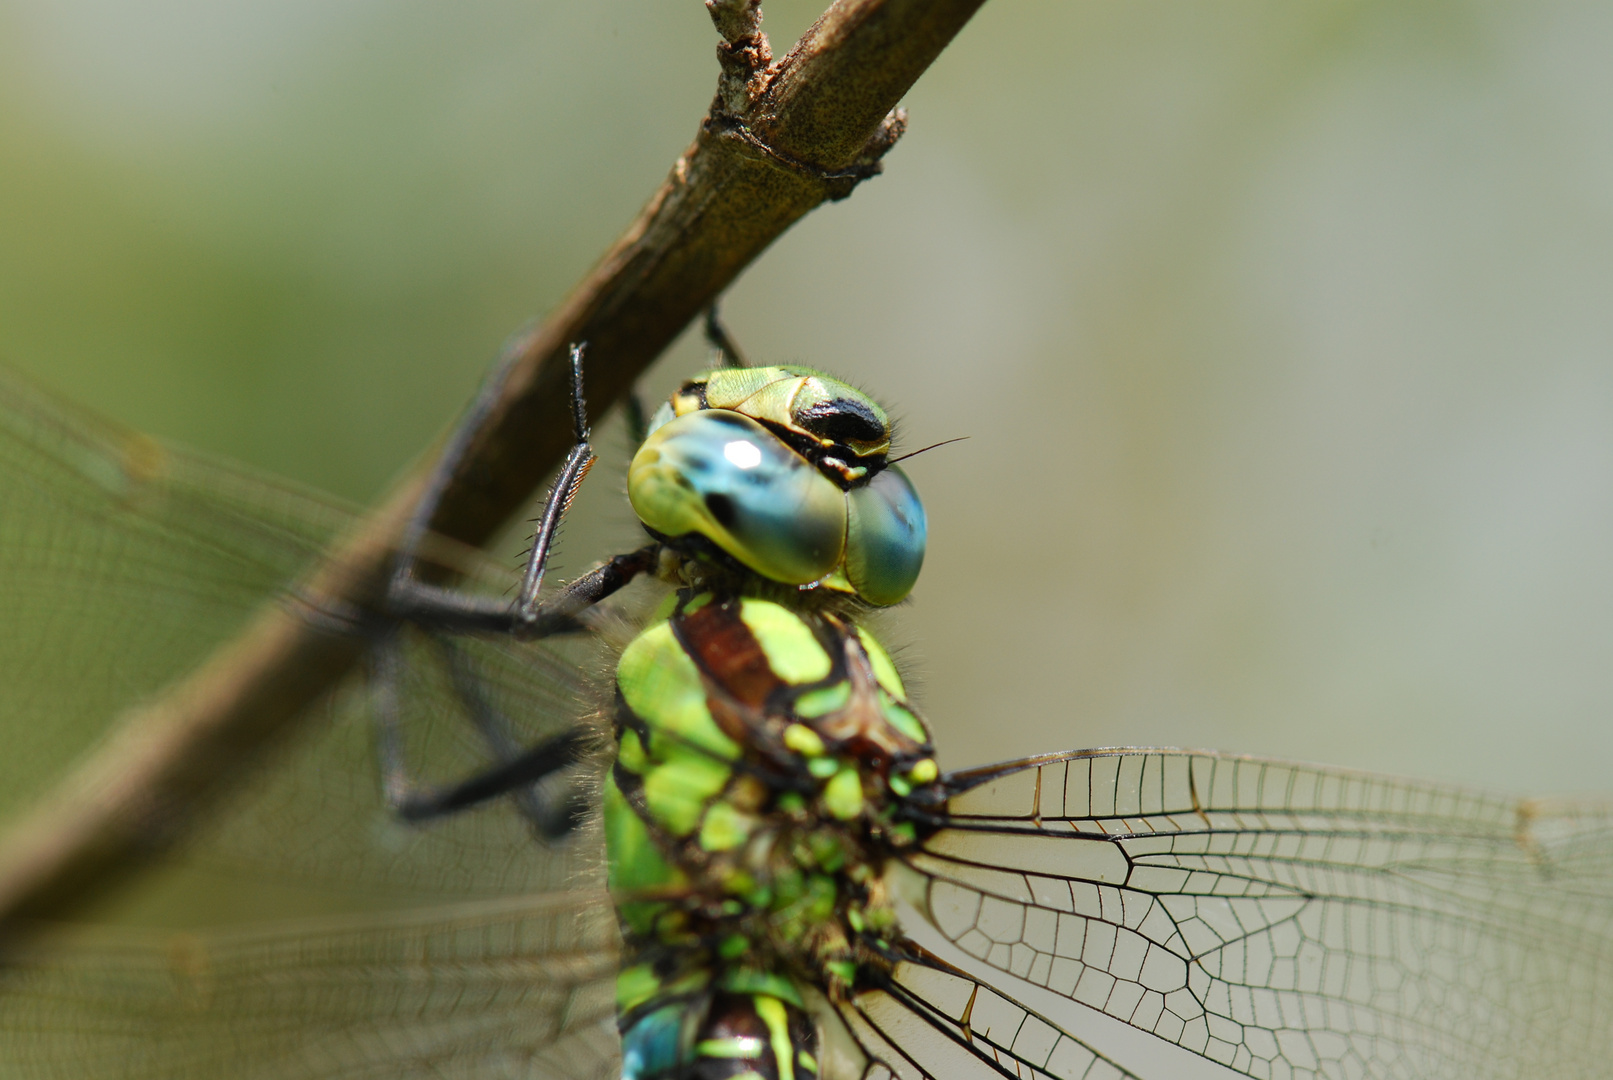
<point x="1281" y="331"/>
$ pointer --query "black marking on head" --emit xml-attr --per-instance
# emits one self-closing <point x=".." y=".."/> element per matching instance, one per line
<point x="733" y="419"/>
<point x="697" y="387"/>
<point x="721" y="508"/>
<point x="843" y="420"/>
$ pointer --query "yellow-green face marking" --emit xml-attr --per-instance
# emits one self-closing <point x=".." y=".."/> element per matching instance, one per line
<point x="830" y="417"/>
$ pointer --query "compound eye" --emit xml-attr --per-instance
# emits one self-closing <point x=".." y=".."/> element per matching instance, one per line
<point x="726" y="477"/>
<point x="885" y="536"/>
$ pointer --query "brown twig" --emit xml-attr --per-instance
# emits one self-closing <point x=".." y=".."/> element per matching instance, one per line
<point x="780" y="139"/>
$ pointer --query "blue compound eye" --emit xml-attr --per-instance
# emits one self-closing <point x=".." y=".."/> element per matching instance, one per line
<point x="726" y="477"/>
<point x="885" y="537"/>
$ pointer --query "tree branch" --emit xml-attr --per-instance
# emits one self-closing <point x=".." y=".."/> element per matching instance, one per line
<point x="780" y="139"/>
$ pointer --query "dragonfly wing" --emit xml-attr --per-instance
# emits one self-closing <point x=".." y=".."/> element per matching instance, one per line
<point x="1280" y="920"/>
<point x="514" y="987"/>
<point x="936" y="1021"/>
<point x="124" y="562"/>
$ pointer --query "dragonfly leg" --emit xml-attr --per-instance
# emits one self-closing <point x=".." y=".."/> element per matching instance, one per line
<point x="448" y="463"/>
<point x="440" y="610"/>
<point x="638" y="421"/>
<point x="437" y="609"/>
<point x="451" y="610"/>
<point x="552" y="817"/>
<point x="721" y="341"/>
<point x="552" y="813"/>
<point x="515" y="771"/>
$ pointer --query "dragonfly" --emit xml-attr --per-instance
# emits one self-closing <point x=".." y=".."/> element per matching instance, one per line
<point x="1102" y="913"/>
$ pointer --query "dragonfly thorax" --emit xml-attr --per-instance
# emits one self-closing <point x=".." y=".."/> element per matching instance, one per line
<point x="765" y="759"/>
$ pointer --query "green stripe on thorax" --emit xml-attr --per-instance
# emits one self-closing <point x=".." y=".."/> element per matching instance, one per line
<point x="760" y="657"/>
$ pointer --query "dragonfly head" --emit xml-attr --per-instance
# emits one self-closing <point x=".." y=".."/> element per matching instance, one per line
<point x="788" y="475"/>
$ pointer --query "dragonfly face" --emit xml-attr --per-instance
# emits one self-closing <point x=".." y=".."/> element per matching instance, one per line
<point x="784" y="469"/>
<point x="1093" y="914"/>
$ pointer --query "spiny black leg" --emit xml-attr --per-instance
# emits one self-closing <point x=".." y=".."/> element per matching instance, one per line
<point x="409" y="597"/>
<point x="450" y="610"/>
<point x="403" y="570"/>
<point x="721" y="341"/>
<point x="444" y="610"/>
<point x="552" y="814"/>
<point x="436" y="608"/>
<point x="577" y="464"/>
<point x="533" y="765"/>
<point x="489" y="722"/>
<point x="502" y="745"/>
<point x="516" y="770"/>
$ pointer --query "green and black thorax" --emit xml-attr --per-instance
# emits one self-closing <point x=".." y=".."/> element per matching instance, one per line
<point x="765" y="755"/>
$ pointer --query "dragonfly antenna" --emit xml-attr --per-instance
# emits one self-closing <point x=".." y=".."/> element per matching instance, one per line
<point x="932" y="446"/>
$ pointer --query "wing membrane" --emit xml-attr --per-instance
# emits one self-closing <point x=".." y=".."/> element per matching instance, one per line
<point x="124" y="562"/>
<point x="1280" y="920"/>
<point x="1285" y="920"/>
<point x="512" y="987"/>
<point x="937" y="1021"/>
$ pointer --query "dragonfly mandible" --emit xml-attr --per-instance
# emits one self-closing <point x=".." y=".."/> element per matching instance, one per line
<point x="1103" y="913"/>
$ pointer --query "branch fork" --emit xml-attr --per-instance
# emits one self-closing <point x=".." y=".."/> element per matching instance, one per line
<point x="741" y="104"/>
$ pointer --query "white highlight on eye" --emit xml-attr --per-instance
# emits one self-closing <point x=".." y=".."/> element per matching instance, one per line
<point x="744" y="455"/>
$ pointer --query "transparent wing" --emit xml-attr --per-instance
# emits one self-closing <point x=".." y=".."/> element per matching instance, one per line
<point x="123" y="563"/>
<point x="935" y="1022"/>
<point x="1281" y="920"/>
<point x="492" y="989"/>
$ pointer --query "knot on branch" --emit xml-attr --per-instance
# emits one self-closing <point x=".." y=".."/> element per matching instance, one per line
<point x="890" y="129"/>
<point x="837" y="183"/>
<point x="744" y="53"/>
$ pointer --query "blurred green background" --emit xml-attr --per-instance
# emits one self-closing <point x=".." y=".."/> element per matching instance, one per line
<point x="1281" y="331"/>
